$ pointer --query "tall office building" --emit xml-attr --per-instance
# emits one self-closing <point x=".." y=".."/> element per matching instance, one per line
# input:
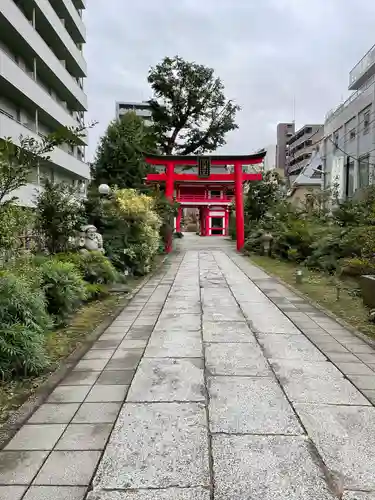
<point x="300" y="148"/>
<point x="42" y="70"/>
<point x="284" y="133"/>
<point x="141" y="109"/>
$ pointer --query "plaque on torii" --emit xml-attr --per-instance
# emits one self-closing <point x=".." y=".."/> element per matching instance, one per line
<point x="204" y="166"/>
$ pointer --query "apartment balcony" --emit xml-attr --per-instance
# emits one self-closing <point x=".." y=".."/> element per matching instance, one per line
<point x="203" y="199"/>
<point x="56" y="35"/>
<point x="9" y="127"/>
<point x="21" y="88"/>
<point x="66" y="10"/>
<point x="79" y="4"/>
<point x="20" y="35"/>
<point x="363" y="70"/>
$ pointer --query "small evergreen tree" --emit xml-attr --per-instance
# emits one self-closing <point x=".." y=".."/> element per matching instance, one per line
<point x="59" y="213"/>
<point x="119" y="159"/>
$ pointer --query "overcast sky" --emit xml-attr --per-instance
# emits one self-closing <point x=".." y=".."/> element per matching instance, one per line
<point x="265" y="51"/>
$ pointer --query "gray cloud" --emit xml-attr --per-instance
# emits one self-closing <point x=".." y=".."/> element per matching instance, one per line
<point x="265" y="51"/>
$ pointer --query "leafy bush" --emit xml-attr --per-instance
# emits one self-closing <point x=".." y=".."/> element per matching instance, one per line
<point x="59" y="213"/>
<point x="23" y="322"/>
<point x="22" y="350"/>
<point x="19" y="303"/>
<point x="63" y="286"/>
<point x="357" y="267"/>
<point x="94" y="266"/>
<point x="130" y="227"/>
<point x="95" y="291"/>
<point x="14" y="222"/>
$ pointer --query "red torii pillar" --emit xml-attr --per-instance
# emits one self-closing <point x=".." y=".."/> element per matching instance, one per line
<point x="238" y="192"/>
<point x="178" y="220"/>
<point x="169" y="192"/>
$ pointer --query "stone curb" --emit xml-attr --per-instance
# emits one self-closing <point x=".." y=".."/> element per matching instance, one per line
<point x="24" y="412"/>
<point x="310" y="301"/>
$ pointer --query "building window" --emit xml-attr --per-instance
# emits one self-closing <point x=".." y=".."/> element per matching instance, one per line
<point x="308" y="130"/>
<point x="350" y="178"/>
<point x="215" y="194"/>
<point x="363" y="172"/>
<point x="366" y="122"/>
<point x="352" y="134"/>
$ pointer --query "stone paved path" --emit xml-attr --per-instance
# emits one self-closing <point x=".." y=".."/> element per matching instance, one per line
<point x="216" y="382"/>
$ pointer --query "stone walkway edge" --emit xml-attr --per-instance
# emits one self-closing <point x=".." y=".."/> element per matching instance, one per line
<point x="216" y="382"/>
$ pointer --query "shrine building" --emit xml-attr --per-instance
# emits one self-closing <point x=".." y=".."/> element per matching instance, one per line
<point x="209" y="184"/>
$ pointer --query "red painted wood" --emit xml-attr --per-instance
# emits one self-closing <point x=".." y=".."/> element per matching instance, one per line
<point x="169" y="191"/>
<point x="193" y="162"/>
<point x="193" y="177"/>
<point x="178" y="220"/>
<point x="240" y="222"/>
<point x="198" y="197"/>
<point x="226" y="232"/>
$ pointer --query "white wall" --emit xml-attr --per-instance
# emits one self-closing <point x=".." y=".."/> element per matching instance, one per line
<point x="270" y="158"/>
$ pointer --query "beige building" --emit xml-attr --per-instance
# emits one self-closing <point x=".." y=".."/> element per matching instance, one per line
<point x="309" y="181"/>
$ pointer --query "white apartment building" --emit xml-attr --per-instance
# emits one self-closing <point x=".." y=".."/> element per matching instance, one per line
<point x="348" y="147"/>
<point x="42" y="70"/>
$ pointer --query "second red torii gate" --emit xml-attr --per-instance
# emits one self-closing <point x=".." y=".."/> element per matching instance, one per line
<point x="237" y="178"/>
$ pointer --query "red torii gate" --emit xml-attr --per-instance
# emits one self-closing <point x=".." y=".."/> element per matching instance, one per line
<point x="237" y="178"/>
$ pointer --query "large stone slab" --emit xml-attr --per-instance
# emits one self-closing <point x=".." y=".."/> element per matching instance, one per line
<point x="236" y="359"/>
<point x="266" y="318"/>
<point x="358" y="495"/>
<point x="316" y="382"/>
<point x="227" y="331"/>
<point x="12" y="492"/>
<point x="220" y="313"/>
<point x="175" y="344"/>
<point x="267" y="468"/>
<point x="345" y="438"/>
<point x="166" y="379"/>
<point x="55" y="493"/>
<point x="289" y="347"/>
<point x="156" y="445"/>
<point x="189" y="322"/>
<point x="183" y="305"/>
<point x="164" y="494"/>
<point x="250" y="406"/>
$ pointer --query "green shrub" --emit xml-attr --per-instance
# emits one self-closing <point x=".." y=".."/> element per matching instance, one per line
<point x="63" y="286"/>
<point x="357" y="267"/>
<point x="23" y="323"/>
<point x="20" y="303"/>
<point x="95" y="291"/>
<point x="59" y="212"/>
<point x="22" y="350"/>
<point x="94" y="266"/>
<point x="333" y="245"/>
<point x="253" y="242"/>
<point x="28" y="268"/>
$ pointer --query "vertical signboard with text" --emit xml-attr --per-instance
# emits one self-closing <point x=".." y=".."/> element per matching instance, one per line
<point x="204" y="166"/>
